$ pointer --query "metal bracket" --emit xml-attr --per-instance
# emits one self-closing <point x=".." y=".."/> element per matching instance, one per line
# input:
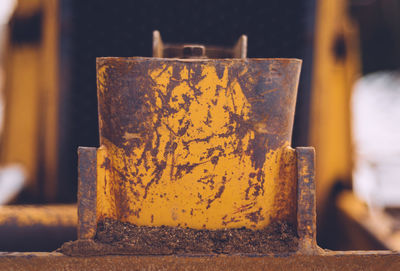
<point x="306" y="203"/>
<point x="167" y="50"/>
<point x="87" y="192"/>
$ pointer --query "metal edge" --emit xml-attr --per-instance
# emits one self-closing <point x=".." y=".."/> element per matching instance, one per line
<point x="87" y="192"/>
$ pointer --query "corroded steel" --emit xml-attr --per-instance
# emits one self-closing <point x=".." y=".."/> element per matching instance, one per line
<point x="343" y="261"/>
<point x="306" y="209"/>
<point x="201" y="143"/>
<point x="87" y="192"/>
<point x="197" y="143"/>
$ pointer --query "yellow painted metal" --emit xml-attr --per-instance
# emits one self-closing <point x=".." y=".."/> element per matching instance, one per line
<point x="196" y="188"/>
<point x="189" y="204"/>
<point x="105" y="194"/>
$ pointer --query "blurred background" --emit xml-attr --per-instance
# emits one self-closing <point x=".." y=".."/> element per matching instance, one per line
<point x="348" y="104"/>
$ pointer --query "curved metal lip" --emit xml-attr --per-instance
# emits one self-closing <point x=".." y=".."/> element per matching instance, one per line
<point x="136" y="58"/>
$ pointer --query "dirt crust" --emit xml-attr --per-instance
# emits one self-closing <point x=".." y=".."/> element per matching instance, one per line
<point x="117" y="238"/>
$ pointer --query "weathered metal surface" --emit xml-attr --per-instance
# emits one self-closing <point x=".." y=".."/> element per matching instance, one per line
<point x="36" y="227"/>
<point x="197" y="143"/>
<point x="87" y="192"/>
<point x="306" y="209"/>
<point x="351" y="260"/>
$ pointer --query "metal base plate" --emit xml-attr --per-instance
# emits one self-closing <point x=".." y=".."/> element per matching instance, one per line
<point x="339" y="260"/>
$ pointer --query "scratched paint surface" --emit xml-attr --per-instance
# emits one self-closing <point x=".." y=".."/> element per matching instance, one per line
<point x="199" y="144"/>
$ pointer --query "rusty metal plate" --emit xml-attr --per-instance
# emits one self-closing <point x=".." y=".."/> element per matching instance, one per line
<point x="197" y="143"/>
<point x="87" y="192"/>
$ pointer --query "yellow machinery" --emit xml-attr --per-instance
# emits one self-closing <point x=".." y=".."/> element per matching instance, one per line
<point x="31" y="92"/>
<point x="154" y="169"/>
<point x="197" y="143"/>
<point x="336" y="66"/>
<point x="168" y="146"/>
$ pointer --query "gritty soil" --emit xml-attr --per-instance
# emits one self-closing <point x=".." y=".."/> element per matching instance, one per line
<point x="114" y="237"/>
